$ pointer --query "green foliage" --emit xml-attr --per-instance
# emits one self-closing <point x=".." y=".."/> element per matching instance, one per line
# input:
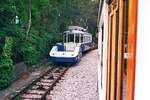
<point x="29" y="54"/>
<point x="6" y="63"/>
<point x="49" y="18"/>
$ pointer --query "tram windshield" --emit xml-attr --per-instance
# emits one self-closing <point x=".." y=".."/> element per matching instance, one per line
<point x="70" y="37"/>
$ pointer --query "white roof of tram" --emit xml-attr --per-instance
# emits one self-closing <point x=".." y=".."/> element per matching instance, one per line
<point x="77" y="28"/>
<point x="76" y="32"/>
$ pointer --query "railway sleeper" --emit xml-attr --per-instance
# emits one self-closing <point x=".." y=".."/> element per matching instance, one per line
<point x="26" y="99"/>
<point x="31" y="96"/>
<point x="35" y="92"/>
<point x="56" y="74"/>
<point x="41" y="87"/>
<point x="43" y="84"/>
<point x="46" y="80"/>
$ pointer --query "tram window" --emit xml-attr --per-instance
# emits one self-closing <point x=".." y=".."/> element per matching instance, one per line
<point x="77" y="38"/>
<point x="70" y="37"/>
<point x="84" y="38"/>
<point x="89" y="39"/>
<point x="81" y="38"/>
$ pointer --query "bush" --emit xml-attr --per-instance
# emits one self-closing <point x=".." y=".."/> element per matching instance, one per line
<point x="29" y="53"/>
<point x="6" y="63"/>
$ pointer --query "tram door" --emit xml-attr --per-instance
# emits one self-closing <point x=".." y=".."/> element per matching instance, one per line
<point x="121" y="50"/>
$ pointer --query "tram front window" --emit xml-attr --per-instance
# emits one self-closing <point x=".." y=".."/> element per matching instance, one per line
<point x="77" y="38"/>
<point x="70" y="37"/>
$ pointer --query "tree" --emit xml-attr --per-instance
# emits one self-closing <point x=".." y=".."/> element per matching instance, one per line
<point x="6" y="63"/>
<point x="30" y="18"/>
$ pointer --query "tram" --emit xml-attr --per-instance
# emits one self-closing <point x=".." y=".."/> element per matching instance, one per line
<point x="76" y="40"/>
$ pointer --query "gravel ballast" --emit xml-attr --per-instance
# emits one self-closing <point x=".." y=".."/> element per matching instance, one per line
<point x="79" y="82"/>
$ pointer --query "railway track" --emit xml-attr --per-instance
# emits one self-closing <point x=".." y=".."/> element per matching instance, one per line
<point x="41" y="87"/>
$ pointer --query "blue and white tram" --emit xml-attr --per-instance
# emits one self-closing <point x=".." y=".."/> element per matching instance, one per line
<point x="75" y="41"/>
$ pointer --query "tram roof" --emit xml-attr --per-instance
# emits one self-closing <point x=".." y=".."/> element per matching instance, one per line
<point x="76" y="28"/>
<point x="76" y="32"/>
